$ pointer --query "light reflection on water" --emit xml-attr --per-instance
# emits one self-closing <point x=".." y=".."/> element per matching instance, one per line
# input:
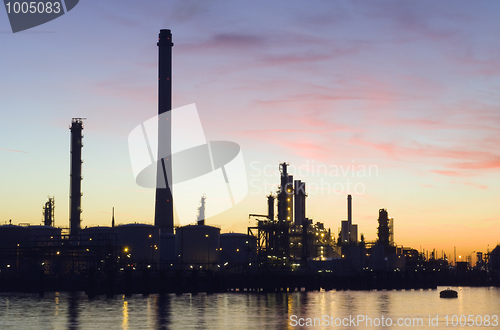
<point x="125" y="315"/>
<point x="235" y="310"/>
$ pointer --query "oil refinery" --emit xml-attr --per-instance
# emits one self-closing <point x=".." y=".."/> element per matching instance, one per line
<point x="283" y="250"/>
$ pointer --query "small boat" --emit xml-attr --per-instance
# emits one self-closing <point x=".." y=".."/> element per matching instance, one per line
<point x="448" y="293"/>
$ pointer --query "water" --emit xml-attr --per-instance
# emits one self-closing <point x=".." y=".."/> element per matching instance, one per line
<point x="249" y="311"/>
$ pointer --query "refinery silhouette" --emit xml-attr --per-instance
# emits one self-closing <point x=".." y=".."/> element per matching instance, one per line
<point x="283" y="251"/>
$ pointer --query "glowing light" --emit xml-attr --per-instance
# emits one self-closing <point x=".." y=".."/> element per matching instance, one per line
<point x="125" y="249"/>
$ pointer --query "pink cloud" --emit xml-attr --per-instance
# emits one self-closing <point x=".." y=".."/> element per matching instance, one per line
<point x="487" y="164"/>
<point x="24" y="152"/>
<point x="450" y="173"/>
<point x="470" y="159"/>
<point x="310" y="97"/>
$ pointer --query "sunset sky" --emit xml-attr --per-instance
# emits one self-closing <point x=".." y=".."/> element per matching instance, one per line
<point x="407" y="89"/>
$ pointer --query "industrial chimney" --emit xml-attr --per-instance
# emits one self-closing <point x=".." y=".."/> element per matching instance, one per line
<point x="164" y="207"/>
<point x="300" y="201"/>
<point x="75" y="207"/>
<point x="349" y="210"/>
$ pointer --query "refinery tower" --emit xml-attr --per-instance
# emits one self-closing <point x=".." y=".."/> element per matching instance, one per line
<point x="164" y="207"/>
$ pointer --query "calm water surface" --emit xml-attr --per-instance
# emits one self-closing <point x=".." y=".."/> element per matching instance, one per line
<point x="246" y="311"/>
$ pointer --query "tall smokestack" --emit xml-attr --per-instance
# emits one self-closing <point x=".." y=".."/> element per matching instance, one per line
<point x="349" y="210"/>
<point x="300" y="201"/>
<point x="283" y="194"/>
<point x="75" y="207"/>
<point x="164" y="207"/>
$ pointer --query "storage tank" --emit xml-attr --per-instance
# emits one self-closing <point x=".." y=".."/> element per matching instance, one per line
<point x="236" y="248"/>
<point x="98" y="235"/>
<point x="140" y="241"/>
<point x="44" y="234"/>
<point x="197" y="245"/>
<point x="11" y="235"/>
